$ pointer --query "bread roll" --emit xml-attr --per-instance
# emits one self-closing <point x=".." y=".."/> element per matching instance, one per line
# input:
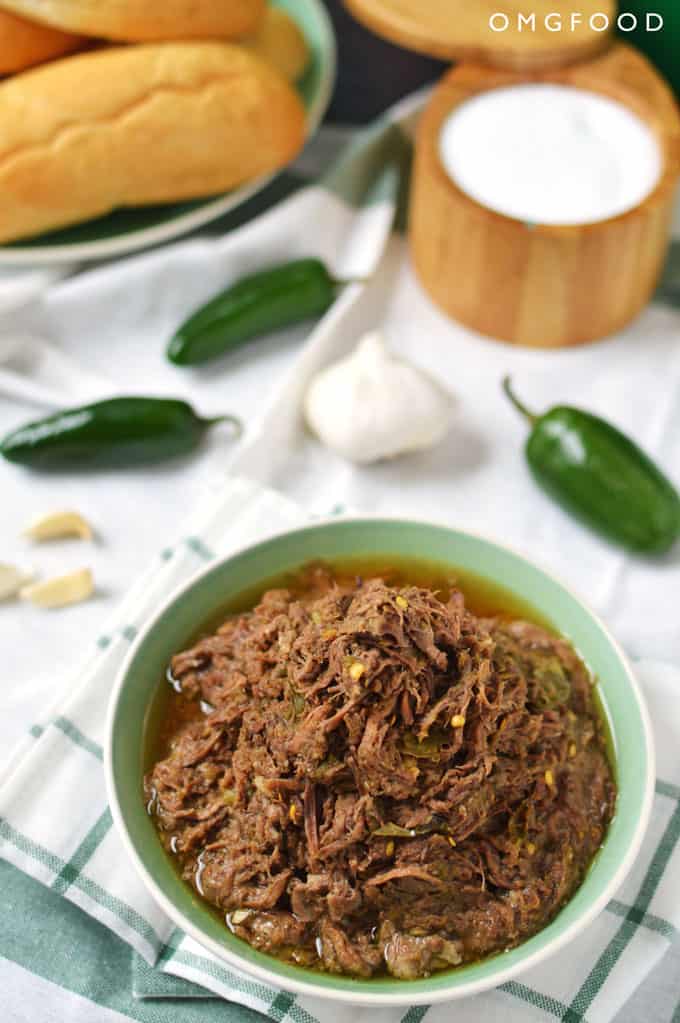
<point x="25" y="43"/>
<point x="138" y="124"/>
<point x="280" y="42"/>
<point x="145" y="20"/>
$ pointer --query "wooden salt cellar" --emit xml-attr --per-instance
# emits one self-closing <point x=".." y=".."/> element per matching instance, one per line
<point x="530" y="284"/>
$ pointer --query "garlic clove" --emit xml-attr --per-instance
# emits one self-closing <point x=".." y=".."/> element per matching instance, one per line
<point x="56" y="525"/>
<point x="60" y="590"/>
<point x="372" y="405"/>
<point x="12" y="579"/>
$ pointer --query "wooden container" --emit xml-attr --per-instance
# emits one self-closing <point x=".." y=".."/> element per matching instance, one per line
<point x="535" y="284"/>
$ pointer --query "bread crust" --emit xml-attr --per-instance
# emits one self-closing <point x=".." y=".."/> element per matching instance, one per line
<point x="279" y="40"/>
<point x="145" y="20"/>
<point x="24" y="43"/>
<point x="127" y="126"/>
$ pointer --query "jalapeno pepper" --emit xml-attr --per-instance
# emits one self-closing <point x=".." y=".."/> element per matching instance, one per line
<point x="257" y="304"/>
<point x="601" y="476"/>
<point x="118" y="431"/>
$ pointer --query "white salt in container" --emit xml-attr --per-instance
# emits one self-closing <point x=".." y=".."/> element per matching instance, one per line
<point x="550" y="154"/>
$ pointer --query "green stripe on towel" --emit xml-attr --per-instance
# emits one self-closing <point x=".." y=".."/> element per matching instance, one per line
<point x="648" y="920"/>
<point x="70" y="872"/>
<point x="224" y="976"/>
<point x="536" y="998"/>
<point x="195" y="544"/>
<point x="72" y="950"/>
<point x="415" y="1014"/>
<point x="666" y="788"/>
<point x="120" y="909"/>
<point x="612" y="953"/>
<point x="278" y="1009"/>
<point x="78" y="737"/>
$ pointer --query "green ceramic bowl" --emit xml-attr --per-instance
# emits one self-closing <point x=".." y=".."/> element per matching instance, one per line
<point x="189" y="608"/>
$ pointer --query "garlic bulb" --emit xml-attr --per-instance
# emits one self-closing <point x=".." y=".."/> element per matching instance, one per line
<point x="372" y="405"/>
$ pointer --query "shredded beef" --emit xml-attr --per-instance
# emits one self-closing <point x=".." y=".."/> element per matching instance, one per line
<point x="368" y="778"/>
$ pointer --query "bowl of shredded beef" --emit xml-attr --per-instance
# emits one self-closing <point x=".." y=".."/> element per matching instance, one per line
<point x="365" y="789"/>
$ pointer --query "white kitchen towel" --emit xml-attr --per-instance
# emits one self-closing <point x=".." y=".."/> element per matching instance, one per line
<point x="55" y="823"/>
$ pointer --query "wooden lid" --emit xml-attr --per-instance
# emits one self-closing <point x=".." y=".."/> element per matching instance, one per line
<point x="461" y="29"/>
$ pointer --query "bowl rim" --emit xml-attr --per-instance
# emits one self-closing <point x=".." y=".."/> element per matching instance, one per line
<point x="304" y="986"/>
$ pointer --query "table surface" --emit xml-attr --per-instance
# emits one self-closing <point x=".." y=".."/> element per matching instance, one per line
<point x="136" y="513"/>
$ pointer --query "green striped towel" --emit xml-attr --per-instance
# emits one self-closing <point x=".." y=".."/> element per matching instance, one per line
<point x="56" y="827"/>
